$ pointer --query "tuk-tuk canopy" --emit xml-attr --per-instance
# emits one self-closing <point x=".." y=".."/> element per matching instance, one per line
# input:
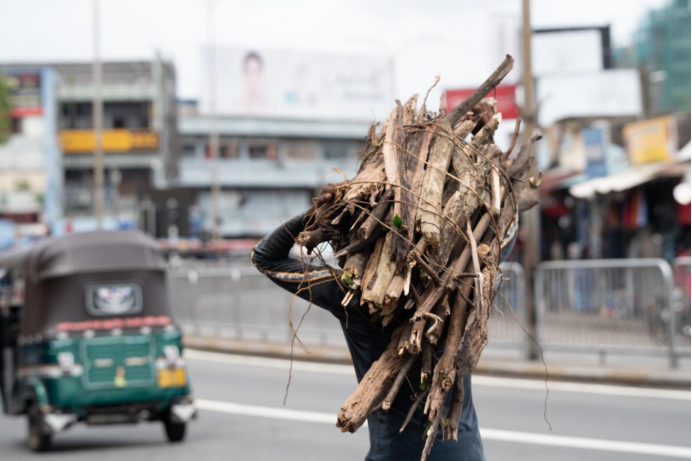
<point x="91" y="281"/>
<point x="101" y="251"/>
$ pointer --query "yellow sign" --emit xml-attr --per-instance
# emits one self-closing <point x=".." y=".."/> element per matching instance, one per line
<point x="172" y="377"/>
<point x="653" y="140"/>
<point x="83" y="141"/>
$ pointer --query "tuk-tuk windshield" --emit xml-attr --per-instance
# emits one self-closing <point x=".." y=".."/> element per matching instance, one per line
<point x="97" y="301"/>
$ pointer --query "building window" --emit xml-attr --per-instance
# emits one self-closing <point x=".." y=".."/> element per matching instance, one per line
<point x="335" y="150"/>
<point x="301" y="150"/>
<point x="258" y="152"/>
<point x="229" y="150"/>
<point x="189" y="150"/>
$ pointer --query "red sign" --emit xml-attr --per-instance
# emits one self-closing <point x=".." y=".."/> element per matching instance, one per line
<point x="19" y="112"/>
<point x="109" y="324"/>
<point x="685" y="214"/>
<point x="504" y="94"/>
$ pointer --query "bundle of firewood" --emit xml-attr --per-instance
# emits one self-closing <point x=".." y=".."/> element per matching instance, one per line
<point x="418" y="234"/>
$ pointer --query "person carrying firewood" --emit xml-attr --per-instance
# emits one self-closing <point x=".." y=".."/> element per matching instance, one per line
<point x="366" y="343"/>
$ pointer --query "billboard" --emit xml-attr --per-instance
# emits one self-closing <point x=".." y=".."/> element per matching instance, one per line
<point x="564" y="51"/>
<point x="504" y="94"/>
<point x="606" y="93"/>
<point x="25" y="93"/>
<point x="288" y="84"/>
<point x="653" y="140"/>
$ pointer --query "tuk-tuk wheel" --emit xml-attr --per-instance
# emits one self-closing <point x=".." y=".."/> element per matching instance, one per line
<point x="175" y="432"/>
<point x="39" y="440"/>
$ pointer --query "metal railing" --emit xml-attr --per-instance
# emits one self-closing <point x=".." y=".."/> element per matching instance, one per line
<point x="681" y="300"/>
<point x="618" y="306"/>
<point x="608" y="307"/>
<point x="241" y="303"/>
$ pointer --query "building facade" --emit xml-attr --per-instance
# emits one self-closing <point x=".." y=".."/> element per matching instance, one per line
<point x="661" y="49"/>
<point x="268" y="169"/>
<point x="139" y="137"/>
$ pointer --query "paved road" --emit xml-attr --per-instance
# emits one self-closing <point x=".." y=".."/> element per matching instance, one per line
<point x="242" y="418"/>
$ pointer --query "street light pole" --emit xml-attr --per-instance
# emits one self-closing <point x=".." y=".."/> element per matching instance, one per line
<point x="97" y="113"/>
<point x="531" y="219"/>
<point x="213" y="128"/>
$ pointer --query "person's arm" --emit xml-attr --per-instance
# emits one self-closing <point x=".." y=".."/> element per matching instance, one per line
<point x="312" y="283"/>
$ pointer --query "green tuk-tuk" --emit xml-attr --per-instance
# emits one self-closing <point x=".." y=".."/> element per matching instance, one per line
<point x="86" y="335"/>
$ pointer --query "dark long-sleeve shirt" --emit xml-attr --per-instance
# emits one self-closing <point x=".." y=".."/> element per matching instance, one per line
<point x="366" y="342"/>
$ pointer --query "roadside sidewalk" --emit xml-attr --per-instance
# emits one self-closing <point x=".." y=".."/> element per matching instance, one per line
<point x="563" y="367"/>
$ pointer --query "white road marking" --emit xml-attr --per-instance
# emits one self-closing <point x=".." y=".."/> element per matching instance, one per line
<point x="489" y="381"/>
<point x="265" y="412"/>
<point x="487" y="434"/>
<point x="583" y="388"/>
<point x="281" y="364"/>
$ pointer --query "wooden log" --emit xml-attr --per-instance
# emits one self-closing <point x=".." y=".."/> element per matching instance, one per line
<point x="430" y="203"/>
<point x="368" y="182"/>
<point x="410" y="110"/>
<point x="398" y="381"/>
<point x="455" y="408"/>
<point x="372" y="388"/>
<point x="453" y="117"/>
<point x="354" y="270"/>
<point x="476" y="334"/>
<point x="449" y="231"/>
<point x="444" y="374"/>
<point x="375" y="218"/>
<point x="396" y="287"/>
<point x="375" y="291"/>
<point x="433" y="294"/>
<point x="310" y="239"/>
<point x="370" y="274"/>
<point x="426" y="362"/>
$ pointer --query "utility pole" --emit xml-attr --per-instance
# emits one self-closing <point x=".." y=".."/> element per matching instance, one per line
<point x="97" y="113"/>
<point x="531" y="219"/>
<point x="213" y="128"/>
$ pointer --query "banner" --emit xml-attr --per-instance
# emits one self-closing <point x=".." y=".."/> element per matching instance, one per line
<point x="653" y="140"/>
<point x="287" y="84"/>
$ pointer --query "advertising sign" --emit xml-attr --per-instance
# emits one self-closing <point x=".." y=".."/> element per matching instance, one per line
<point x="504" y="94"/>
<point x="288" y="84"/>
<point x="25" y="93"/>
<point x="653" y="140"/>
<point x="594" y="139"/>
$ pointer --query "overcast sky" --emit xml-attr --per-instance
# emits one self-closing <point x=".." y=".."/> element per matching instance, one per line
<point x="463" y="40"/>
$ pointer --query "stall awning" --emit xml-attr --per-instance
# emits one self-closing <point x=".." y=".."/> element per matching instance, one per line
<point x="627" y="179"/>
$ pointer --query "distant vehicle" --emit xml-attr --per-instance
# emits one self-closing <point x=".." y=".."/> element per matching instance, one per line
<point x="87" y="336"/>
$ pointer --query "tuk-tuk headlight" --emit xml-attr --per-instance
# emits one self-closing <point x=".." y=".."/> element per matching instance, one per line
<point x="66" y="361"/>
<point x="172" y="354"/>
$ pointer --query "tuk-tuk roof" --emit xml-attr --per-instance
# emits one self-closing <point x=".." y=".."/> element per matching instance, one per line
<point x="99" y="251"/>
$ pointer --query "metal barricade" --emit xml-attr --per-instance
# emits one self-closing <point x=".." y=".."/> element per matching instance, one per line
<point x="241" y="303"/>
<point x="607" y="306"/>
<point x="681" y="302"/>
<point x="507" y="316"/>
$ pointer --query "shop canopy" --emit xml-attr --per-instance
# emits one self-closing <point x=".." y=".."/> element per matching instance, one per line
<point x="628" y="179"/>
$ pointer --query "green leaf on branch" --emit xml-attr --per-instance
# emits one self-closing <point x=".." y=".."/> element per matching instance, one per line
<point x="347" y="279"/>
<point x="423" y="384"/>
<point x="397" y="222"/>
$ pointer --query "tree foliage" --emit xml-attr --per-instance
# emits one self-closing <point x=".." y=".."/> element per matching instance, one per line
<point x="5" y="108"/>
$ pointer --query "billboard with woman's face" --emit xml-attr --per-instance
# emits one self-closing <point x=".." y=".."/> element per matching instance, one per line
<point x="288" y="84"/>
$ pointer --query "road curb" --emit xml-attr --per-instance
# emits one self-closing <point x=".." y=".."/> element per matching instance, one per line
<point x="665" y="378"/>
